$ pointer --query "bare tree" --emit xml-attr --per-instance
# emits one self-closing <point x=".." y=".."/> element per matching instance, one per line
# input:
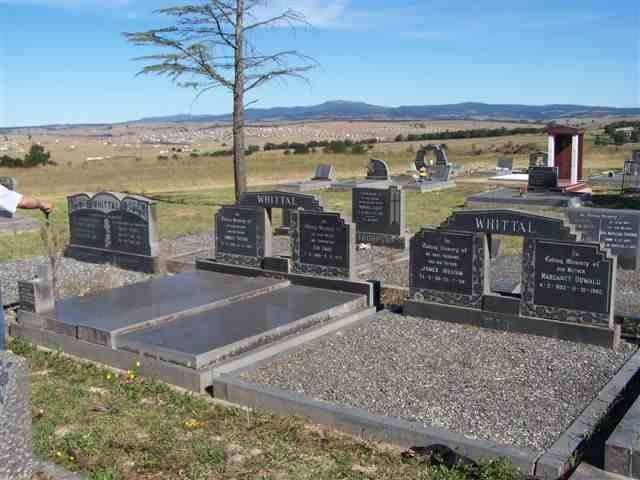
<point x="210" y="44"/>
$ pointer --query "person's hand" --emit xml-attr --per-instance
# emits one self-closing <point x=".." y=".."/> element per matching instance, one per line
<point x="46" y="207"/>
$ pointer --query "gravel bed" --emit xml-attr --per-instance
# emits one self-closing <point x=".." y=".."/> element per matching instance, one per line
<point x="519" y="390"/>
<point x="76" y="277"/>
<point x="188" y="244"/>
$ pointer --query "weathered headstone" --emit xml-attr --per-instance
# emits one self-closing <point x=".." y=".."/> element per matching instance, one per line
<point x="631" y="177"/>
<point x="37" y="296"/>
<point x="114" y="228"/>
<point x="543" y="178"/>
<point x="242" y="235"/>
<point x="568" y="282"/>
<point x="448" y="267"/>
<point x="538" y="159"/>
<point x="377" y="170"/>
<point x="618" y="230"/>
<point x="380" y="216"/>
<point x="505" y="164"/>
<point x="441" y="173"/>
<point x="322" y="244"/>
<point x="324" y="173"/>
<point x="16" y="457"/>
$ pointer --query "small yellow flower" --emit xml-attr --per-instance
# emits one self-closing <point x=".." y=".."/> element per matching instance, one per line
<point x="72" y="458"/>
<point x="109" y="376"/>
<point x="137" y="364"/>
<point x="191" y="424"/>
<point x="130" y="375"/>
<point x="58" y="454"/>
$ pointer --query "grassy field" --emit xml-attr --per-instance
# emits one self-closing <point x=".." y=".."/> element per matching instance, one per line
<point x="117" y="426"/>
<point x="190" y="190"/>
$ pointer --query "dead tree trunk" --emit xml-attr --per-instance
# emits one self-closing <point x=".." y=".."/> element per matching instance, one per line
<point x="239" y="166"/>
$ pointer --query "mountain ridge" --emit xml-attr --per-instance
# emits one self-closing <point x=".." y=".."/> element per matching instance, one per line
<point x="348" y="110"/>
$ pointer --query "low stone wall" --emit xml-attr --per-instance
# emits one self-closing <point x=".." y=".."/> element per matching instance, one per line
<point x="16" y="458"/>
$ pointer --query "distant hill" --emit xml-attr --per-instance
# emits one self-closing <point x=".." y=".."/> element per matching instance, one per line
<point x="345" y="110"/>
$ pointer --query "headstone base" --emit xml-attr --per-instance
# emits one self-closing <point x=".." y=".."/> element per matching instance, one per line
<point x="508" y="197"/>
<point x="573" y="332"/>
<point x="16" y="457"/>
<point x="307" y="185"/>
<point x="127" y="261"/>
<point x="429" y="186"/>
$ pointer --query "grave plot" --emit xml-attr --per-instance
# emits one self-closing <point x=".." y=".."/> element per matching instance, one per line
<point x="484" y="393"/>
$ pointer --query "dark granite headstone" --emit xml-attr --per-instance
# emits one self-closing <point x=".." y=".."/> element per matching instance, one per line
<point x="543" y="178"/>
<point x="242" y="236"/>
<point x="324" y="172"/>
<point x="618" y="230"/>
<point x="380" y="216"/>
<point x="568" y="281"/>
<point x="635" y="156"/>
<point x="505" y="164"/>
<point x="448" y="267"/>
<point x="538" y="159"/>
<point x="420" y="160"/>
<point x="377" y="170"/>
<point x="322" y="244"/>
<point x="110" y="227"/>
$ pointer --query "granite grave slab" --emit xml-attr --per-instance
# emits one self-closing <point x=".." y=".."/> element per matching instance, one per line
<point x="102" y="317"/>
<point x="200" y="339"/>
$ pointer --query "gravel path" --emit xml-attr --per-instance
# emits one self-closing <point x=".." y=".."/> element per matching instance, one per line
<point x="515" y="389"/>
<point x="75" y="277"/>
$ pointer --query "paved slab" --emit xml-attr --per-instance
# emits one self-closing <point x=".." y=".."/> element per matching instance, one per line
<point x="200" y="339"/>
<point x="622" y="448"/>
<point x="100" y="318"/>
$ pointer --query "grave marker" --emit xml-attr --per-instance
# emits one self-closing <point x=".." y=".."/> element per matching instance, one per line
<point x="448" y="267"/>
<point x="505" y="164"/>
<point x="109" y="227"/>
<point x="538" y="159"/>
<point x="324" y="173"/>
<point x="618" y="230"/>
<point x="322" y="244"/>
<point x="543" y="178"/>
<point x="242" y="235"/>
<point x="631" y="177"/>
<point x="377" y="170"/>
<point x="380" y="216"/>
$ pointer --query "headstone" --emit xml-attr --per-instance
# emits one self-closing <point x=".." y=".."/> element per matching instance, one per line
<point x="115" y="228"/>
<point x="631" y="177"/>
<point x="322" y="244"/>
<point x="448" y="267"/>
<point x="618" y="230"/>
<point x="441" y="173"/>
<point x="16" y="456"/>
<point x="242" y="235"/>
<point x="324" y="173"/>
<point x="505" y="164"/>
<point x="441" y="155"/>
<point x="377" y="170"/>
<point x="10" y="184"/>
<point x="635" y="156"/>
<point x="543" y="178"/>
<point x="538" y="159"/>
<point x="380" y="216"/>
<point x="37" y="296"/>
<point x="568" y="282"/>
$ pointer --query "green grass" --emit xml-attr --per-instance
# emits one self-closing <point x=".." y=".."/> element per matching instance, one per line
<point x="118" y="427"/>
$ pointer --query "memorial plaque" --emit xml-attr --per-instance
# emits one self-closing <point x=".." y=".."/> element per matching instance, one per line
<point x="108" y="223"/>
<point x="324" y="172"/>
<point x="380" y="216"/>
<point x="322" y="244"/>
<point x="618" y="230"/>
<point x="509" y="222"/>
<point x="242" y="235"/>
<point x="448" y="267"/>
<point x="543" y="178"/>
<point x="505" y="164"/>
<point x="538" y="159"/>
<point x="572" y="276"/>
<point x="377" y="170"/>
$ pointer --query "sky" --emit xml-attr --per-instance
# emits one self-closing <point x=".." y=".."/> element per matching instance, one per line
<point x="66" y="61"/>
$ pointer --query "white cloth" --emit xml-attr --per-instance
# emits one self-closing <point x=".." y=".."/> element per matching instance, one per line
<point x="9" y="200"/>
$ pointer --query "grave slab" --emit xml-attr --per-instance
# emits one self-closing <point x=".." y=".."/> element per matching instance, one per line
<point x="622" y="449"/>
<point x="100" y="318"/>
<point x="508" y="197"/>
<point x="201" y="339"/>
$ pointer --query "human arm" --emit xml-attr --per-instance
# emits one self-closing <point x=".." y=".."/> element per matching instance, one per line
<point x="31" y="203"/>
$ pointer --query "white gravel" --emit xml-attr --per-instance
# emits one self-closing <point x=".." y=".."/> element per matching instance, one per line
<point x="515" y="389"/>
